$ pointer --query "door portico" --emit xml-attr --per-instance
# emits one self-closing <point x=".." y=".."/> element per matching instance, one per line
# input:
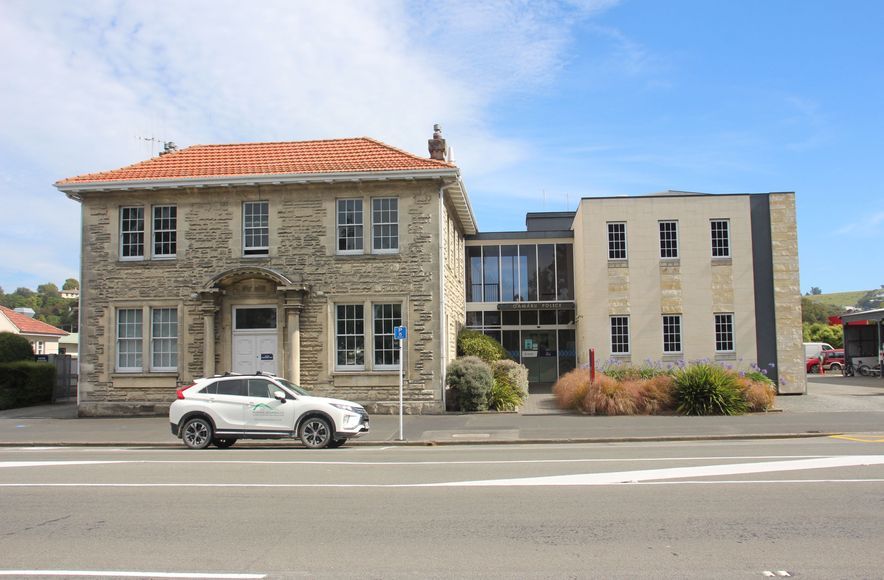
<point x="251" y="321"/>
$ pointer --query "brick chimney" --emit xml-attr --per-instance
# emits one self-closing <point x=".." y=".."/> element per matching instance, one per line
<point x="437" y="144"/>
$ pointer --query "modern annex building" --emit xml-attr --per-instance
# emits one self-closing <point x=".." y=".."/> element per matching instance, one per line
<point x="663" y="278"/>
<point x="300" y="258"/>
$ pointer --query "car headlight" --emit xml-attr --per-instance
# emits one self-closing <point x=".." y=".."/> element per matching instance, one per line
<point x="351" y="408"/>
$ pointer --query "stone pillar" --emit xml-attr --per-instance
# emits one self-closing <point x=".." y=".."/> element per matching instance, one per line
<point x="293" y="331"/>
<point x="293" y="302"/>
<point x="209" y="309"/>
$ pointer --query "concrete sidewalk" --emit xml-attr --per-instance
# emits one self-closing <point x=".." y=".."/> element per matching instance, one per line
<point x="833" y="405"/>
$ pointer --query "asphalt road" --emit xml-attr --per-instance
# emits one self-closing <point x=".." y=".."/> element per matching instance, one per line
<point x="811" y="508"/>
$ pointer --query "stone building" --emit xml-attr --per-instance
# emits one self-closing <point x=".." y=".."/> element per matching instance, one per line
<point x="293" y="258"/>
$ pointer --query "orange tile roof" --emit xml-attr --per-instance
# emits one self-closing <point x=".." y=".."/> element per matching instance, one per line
<point x="360" y="154"/>
<point x="27" y="325"/>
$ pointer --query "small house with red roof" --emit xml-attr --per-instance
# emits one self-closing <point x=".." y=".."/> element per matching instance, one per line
<point x="294" y="258"/>
<point x="42" y="336"/>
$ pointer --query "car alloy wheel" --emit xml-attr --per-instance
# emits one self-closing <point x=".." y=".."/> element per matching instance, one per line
<point x="197" y="433"/>
<point x="315" y="433"/>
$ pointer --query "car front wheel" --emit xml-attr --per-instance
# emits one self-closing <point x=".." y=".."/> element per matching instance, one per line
<point x="814" y="369"/>
<point x="197" y="433"/>
<point x="316" y="433"/>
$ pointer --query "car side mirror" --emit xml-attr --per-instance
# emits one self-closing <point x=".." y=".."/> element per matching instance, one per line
<point x="279" y="396"/>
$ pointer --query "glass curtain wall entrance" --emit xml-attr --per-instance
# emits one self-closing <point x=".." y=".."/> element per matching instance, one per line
<point x="522" y="296"/>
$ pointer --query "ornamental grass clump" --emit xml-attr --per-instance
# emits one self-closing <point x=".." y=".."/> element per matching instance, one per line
<point x="571" y="388"/>
<point x="656" y="395"/>
<point x="608" y="396"/>
<point x="509" y="388"/>
<point x="706" y="389"/>
<point x="758" y="391"/>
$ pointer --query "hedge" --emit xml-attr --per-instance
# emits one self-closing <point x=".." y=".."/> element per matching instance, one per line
<point x="14" y="347"/>
<point x="25" y="383"/>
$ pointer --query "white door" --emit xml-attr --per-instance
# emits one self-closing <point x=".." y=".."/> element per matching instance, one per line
<point x="254" y="352"/>
<point x="254" y="339"/>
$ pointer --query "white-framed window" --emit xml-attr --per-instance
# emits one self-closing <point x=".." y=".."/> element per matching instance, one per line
<point x="619" y="335"/>
<point x="39" y="347"/>
<point x="131" y="233"/>
<point x="669" y="239"/>
<point x="255" y="228"/>
<point x="386" y="349"/>
<point x="164" y="339"/>
<point x="721" y="239"/>
<point x="616" y="240"/>
<point x="671" y="333"/>
<point x="165" y="231"/>
<point x="129" y="339"/>
<point x="349" y="226"/>
<point x="724" y="332"/>
<point x="385" y="225"/>
<point x="349" y="336"/>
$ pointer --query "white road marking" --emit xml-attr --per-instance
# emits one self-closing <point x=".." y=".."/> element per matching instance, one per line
<point x="191" y="461"/>
<point x="675" y="472"/>
<point x="129" y="574"/>
<point x="55" y="463"/>
<point x="425" y="485"/>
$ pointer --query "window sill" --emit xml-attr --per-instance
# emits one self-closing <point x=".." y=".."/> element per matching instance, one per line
<point x="618" y="263"/>
<point x="725" y="356"/>
<point x="722" y="261"/>
<point x="670" y="262"/>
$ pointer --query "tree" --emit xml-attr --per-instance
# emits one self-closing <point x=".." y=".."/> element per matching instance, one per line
<point x="71" y="284"/>
<point x="14" y="347"/>
<point x="818" y="332"/>
<point x="815" y="291"/>
<point x="813" y="311"/>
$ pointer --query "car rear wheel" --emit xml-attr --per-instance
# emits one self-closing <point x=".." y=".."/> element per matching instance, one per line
<point x="197" y="433"/>
<point x="316" y="433"/>
<point x="223" y="443"/>
<point x="835" y="367"/>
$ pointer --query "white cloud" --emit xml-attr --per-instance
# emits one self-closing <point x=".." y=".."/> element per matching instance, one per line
<point x="86" y="83"/>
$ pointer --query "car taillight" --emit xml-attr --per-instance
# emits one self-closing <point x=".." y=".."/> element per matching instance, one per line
<point x="180" y="392"/>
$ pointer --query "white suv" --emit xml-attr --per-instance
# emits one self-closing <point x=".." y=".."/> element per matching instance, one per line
<point x="222" y="409"/>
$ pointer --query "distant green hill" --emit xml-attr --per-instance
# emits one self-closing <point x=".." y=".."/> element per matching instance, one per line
<point x="840" y="299"/>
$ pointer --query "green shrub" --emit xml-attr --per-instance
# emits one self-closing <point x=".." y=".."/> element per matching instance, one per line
<point x="705" y="389"/>
<point x="470" y="380"/>
<point x="14" y="347"/>
<point x="510" y="386"/>
<point x="474" y="343"/>
<point x="26" y="383"/>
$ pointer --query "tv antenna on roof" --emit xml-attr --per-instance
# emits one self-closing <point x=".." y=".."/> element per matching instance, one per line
<point x="168" y="146"/>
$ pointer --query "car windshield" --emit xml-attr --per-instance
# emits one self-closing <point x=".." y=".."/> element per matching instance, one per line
<point x="293" y="387"/>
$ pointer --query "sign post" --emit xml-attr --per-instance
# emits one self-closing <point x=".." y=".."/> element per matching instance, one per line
<point x="400" y="333"/>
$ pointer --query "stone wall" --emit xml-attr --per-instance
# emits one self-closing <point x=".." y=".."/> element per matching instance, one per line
<point x="787" y="293"/>
<point x="302" y="246"/>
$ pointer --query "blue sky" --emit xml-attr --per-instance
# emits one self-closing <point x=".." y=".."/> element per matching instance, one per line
<point x="542" y="103"/>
